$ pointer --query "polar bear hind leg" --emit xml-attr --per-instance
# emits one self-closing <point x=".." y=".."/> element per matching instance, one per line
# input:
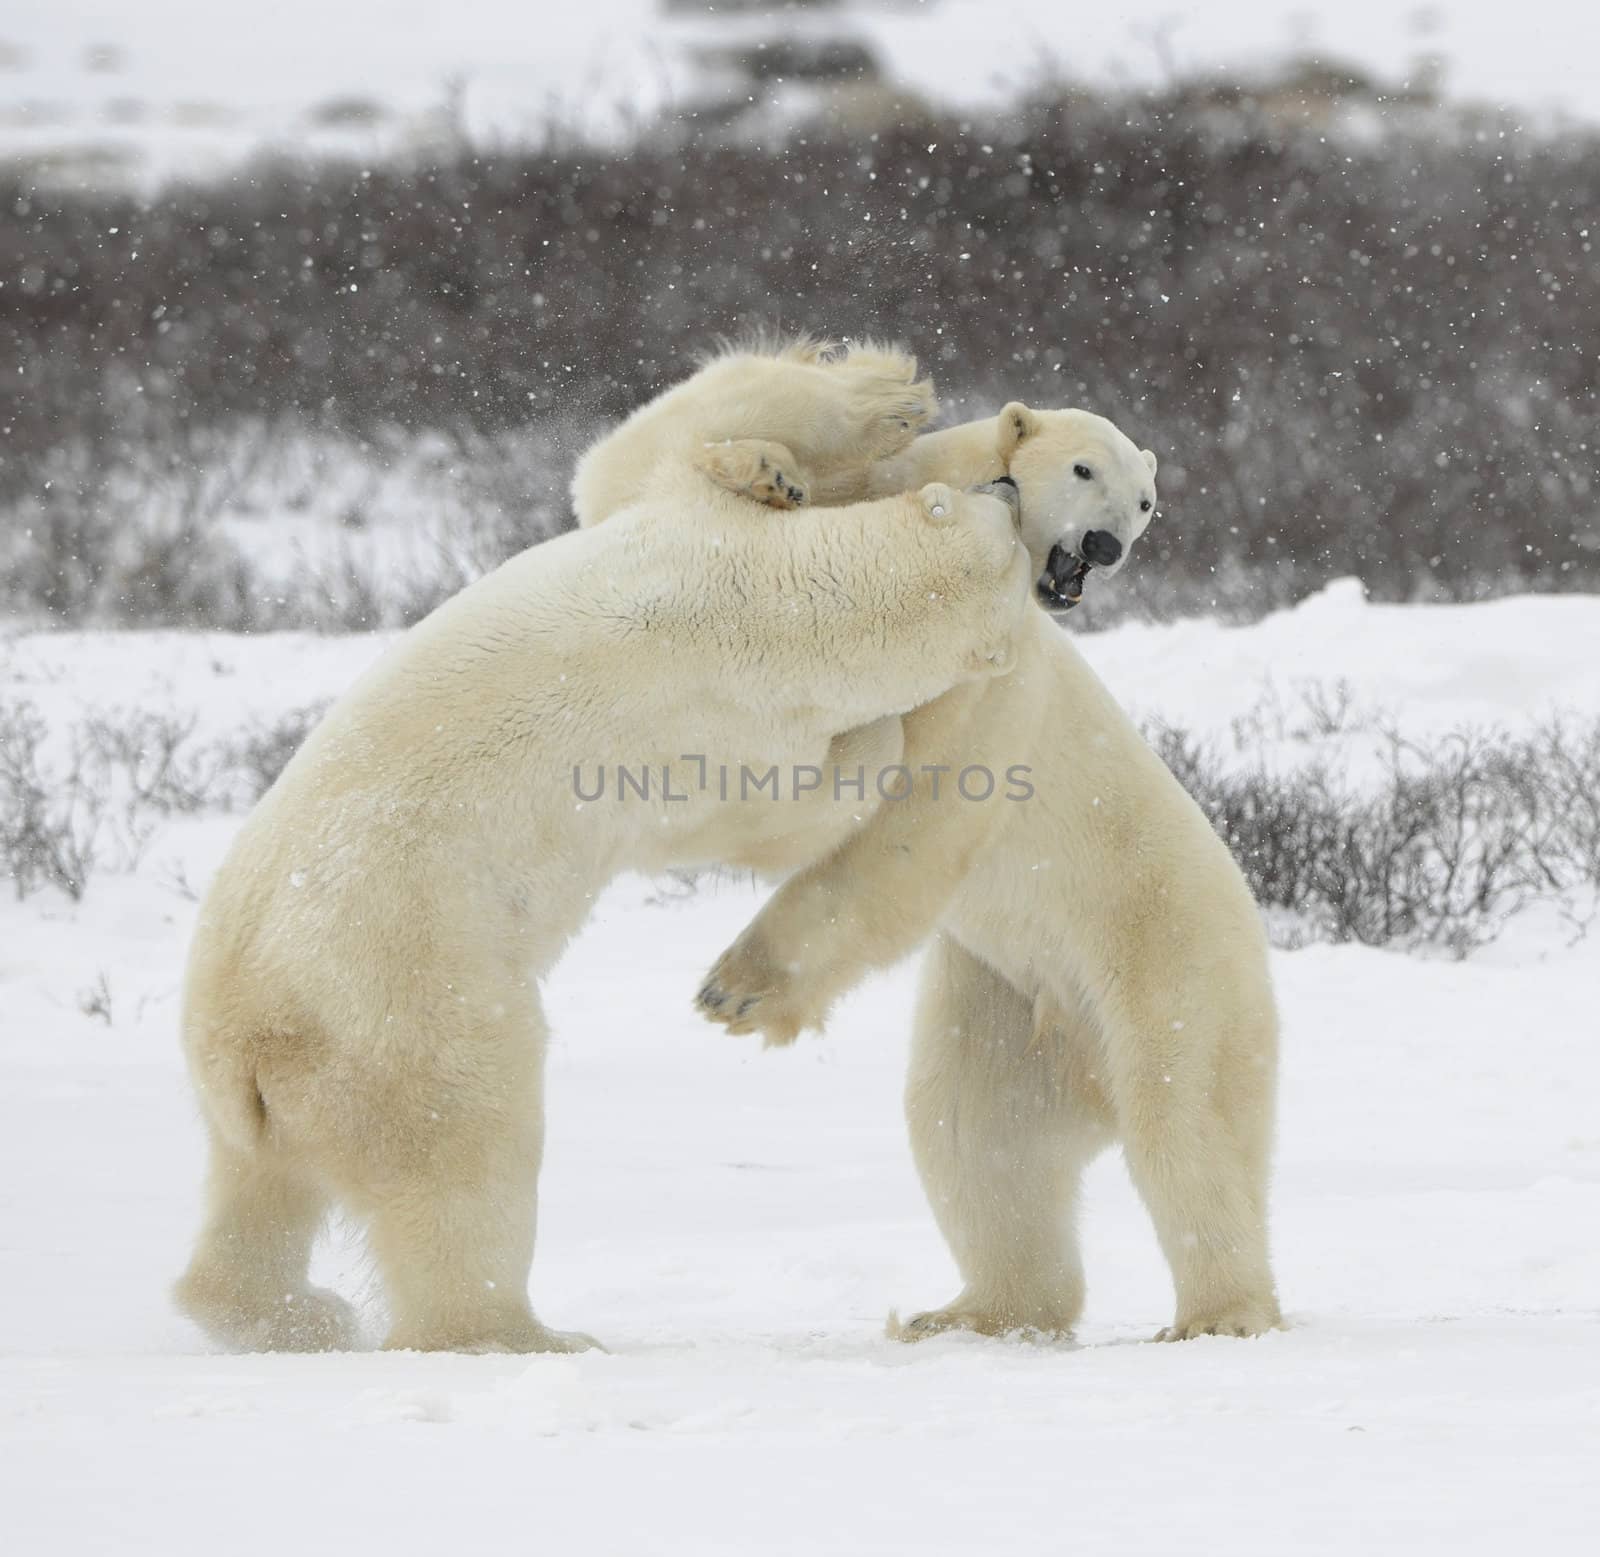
<point x="1001" y="1133"/>
<point x="436" y="1149"/>
<point x="246" y="1284"/>
<point x="1009" y="1100"/>
<point x="452" y="1208"/>
<point x="1194" y="1116"/>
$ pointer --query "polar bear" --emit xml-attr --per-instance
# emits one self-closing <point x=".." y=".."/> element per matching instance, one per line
<point x="361" y="1014"/>
<point x="840" y="410"/>
<point x="1099" y="972"/>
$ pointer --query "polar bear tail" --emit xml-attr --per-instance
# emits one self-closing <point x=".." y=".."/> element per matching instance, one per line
<point x="230" y="1096"/>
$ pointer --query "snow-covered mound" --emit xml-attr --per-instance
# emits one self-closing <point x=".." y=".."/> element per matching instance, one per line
<point x="735" y="1225"/>
<point x="98" y="92"/>
<point x="1506" y="663"/>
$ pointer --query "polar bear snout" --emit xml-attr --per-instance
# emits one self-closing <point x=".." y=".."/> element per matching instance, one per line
<point x="1100" y="548"/>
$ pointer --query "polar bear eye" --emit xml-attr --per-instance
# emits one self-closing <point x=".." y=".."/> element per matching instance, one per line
<point x="1144" y="505"/>
<point x="1083" y="473"/>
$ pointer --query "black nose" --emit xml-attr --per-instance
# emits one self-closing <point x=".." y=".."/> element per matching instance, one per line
<point x="1100" y="547"/>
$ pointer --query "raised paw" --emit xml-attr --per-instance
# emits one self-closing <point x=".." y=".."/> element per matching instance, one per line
<point x="750" y="990"/>
<point x="756" y="468"/>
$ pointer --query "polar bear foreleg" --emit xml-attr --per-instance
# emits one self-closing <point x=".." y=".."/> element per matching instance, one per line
<point x="874" y="899"/>
<point x="756" y="468"/>
<point x="843" y="415"/>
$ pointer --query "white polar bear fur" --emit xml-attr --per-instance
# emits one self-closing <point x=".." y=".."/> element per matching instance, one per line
<point x="1099" y="973"/>
<point x="837" y="410"/>
<point x="362" y="1020"/>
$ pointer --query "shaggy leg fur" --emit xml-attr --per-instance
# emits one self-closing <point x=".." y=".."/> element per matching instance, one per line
<point x="453" y="1225"/>
<point x="1001" y="1137"/>
<point x="835" y="411"/>
<point x="246" y="1284"/>
<point x="1203" y="1174"/>
<point x="882" y="407"/>
<point x="889" y="405"/>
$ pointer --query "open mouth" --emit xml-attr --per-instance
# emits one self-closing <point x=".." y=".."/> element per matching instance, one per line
<point x="1060" y="586"/>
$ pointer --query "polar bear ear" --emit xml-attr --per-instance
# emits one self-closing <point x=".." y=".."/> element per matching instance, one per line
<point x="1016" y="423"/>
<point x="1149" y="459"/>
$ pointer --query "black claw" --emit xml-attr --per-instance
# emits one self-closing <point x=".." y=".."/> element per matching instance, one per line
<point x="746" y="1004"/>
<point x="712" y="996"/>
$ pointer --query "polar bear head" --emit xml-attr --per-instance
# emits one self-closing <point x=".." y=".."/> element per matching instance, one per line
<point x="1087" y="494"/>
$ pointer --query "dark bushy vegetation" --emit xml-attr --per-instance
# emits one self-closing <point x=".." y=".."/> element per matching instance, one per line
<point x="90" y="801"/>
<point x="175" y="525"/>
<point x="1374" y="355"/>
<point x="1440" y="846"/>
<point x="1451" y="839"/>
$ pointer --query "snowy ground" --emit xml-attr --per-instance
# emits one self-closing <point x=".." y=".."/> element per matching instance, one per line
<point x="735" y="1225"/>
<point x="112" y="90"/>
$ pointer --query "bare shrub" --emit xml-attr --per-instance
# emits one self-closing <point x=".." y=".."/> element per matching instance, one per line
<point x="163" y="769"/>
<point x="261" y="753"/>
<point x="73" y="802"/>
<point x="123" y="529"/>
<point x="50" y="823"/>
<point x="1452" y="839"/>
<point x="1444" y="842"/>
<point x="94" y="1000"/>
<point x="56" y="548"/>
<point x="1291" y="315"/>
<point x="156" y="527"/>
